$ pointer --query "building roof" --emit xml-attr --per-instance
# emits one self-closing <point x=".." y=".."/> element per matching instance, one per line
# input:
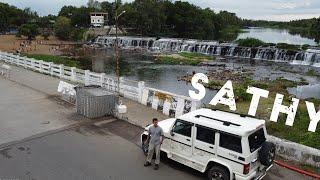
<point x="104" y="13"/>
<point x="224" y="121"/>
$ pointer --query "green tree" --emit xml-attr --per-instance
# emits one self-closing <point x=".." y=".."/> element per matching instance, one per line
<point x="63" y="28"/>
<point x="315" y="30"/>
<point x="111" y="7"/>
<point x="12" y="17"/>
<point x="94" y="4"/>
<point x="80" y="17"/>
<point x="28" y="30"/>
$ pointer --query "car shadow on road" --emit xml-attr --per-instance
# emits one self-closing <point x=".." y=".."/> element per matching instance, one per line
<point x="132" y="133"/>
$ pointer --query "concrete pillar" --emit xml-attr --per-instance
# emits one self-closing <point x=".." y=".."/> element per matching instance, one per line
<point x="141" y="86"/>
<point x="195" y="105"/>
<point x="86" y="77"/>
<point x="180" y="107"/>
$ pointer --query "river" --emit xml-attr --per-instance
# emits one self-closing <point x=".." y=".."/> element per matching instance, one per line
<point x="135" y="66"/>
<point x="270" y="35"/>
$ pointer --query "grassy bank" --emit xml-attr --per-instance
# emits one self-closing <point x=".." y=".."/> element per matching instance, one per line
<point x="299" y="131"/>
<point x="82" y="62"/>
<point x="183" y="58"/>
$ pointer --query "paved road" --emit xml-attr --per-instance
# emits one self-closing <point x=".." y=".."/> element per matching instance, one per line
<point x="88" y="152"/>
<point x="25" y="112"/>
<point x="80" y="154"/>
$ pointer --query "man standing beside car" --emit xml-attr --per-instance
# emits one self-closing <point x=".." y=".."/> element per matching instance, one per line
<point x="155" y="139"/>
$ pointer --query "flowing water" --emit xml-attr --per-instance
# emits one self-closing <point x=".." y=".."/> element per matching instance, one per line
<point x="310" y="57"/>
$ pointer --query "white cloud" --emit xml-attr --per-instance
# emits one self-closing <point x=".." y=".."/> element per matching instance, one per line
<point x="291" y="5"/>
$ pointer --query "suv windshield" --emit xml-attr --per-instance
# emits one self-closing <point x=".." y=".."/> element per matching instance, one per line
<point x="256" y="139"/>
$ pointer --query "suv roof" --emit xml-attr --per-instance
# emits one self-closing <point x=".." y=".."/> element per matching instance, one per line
<point x="229" y="122"/>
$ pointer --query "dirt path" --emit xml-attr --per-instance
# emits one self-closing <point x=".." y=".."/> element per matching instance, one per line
<point x="53" y="46"/>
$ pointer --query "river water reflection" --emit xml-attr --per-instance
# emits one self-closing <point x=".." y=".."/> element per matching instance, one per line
<point x="275" y="36"/>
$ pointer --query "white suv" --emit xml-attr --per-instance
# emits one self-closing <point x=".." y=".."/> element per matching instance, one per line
<point x="224" y="145"/>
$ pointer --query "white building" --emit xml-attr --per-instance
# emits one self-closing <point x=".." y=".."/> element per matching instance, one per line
<point x="98" y="19"/>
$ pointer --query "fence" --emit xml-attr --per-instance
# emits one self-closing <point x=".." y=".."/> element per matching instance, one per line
<point x="169" y="103"/>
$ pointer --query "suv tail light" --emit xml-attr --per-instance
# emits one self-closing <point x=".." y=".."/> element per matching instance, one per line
<point x="246" y="168"/>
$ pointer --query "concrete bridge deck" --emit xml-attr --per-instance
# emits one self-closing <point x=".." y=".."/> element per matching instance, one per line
<point x="29" y="106"/>
<point x="28" y="102"/>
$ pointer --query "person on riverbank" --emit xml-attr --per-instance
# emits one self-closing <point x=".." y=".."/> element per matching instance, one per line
<point x="155" y="139"/>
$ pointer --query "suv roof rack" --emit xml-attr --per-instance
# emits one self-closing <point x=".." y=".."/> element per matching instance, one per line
<point x="240" y="114"/>
<point x="226" y="123"/>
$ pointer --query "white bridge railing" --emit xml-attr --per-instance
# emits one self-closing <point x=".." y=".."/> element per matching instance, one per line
<point x="168" y="103"/>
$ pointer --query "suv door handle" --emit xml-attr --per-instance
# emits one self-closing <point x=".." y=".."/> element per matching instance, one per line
<point x="188" y="139"/>
<point x="210" y="147"/>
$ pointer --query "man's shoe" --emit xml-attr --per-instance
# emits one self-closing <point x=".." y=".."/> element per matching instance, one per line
<point x="156" y="167"/>
<point x="147" y="164"/>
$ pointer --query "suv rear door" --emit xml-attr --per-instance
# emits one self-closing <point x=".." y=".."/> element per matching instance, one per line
<point x="204" y="144"/>
<point x="181" y="141"/>
<point x="230" y="149"/>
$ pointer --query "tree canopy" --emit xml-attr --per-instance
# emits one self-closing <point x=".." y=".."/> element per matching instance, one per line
<point x="29" y="30"/>
<point x="63" y="28"/>
<point x="152" y="18"/>
<point x="12" y="17"/>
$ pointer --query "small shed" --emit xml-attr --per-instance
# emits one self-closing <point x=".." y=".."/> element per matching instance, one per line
<point x="94" y="102"/>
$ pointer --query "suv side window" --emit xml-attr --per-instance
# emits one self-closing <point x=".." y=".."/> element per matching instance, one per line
<point x="182" y="128"/>
<point x="205" y="134"/>
<point x="230" y="142"/>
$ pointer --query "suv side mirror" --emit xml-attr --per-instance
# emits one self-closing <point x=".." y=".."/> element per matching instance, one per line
<point x="171" y="132"/>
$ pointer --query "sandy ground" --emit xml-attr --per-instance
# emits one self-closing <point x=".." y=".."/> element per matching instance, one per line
<point x="53" y="46"/>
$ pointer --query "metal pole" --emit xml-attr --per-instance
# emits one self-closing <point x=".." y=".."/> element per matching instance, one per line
<point x="117" y="52"/>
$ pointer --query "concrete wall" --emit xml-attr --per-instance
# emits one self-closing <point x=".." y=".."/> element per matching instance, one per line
<point x="296" y="152"/>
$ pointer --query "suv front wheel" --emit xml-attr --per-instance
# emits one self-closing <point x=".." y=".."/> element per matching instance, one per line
<point x="218" y="173"/>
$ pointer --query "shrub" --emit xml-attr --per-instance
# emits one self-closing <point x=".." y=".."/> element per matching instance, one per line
<point x="288" y="46"/>
<point x="241" y="94"/>
<point x="250" y="42"/>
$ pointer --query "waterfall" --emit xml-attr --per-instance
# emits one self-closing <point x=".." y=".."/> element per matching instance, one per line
<point x="308" y="57"/>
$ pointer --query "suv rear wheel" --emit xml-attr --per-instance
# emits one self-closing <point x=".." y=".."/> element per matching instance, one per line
<point x="218" y="173"/>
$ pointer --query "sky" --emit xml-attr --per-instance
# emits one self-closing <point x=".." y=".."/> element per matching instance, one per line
<point x="277" y="10"/>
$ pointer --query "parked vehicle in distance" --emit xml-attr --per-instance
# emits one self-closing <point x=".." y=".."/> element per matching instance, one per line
<point x="222" y="144"/>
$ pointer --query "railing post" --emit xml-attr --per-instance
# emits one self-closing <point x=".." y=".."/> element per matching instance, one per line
<point x="24" y="62"/>
<point x="40" y="66"/>
<point x="32" y="64"/>
<point x="121" y="80"/>
<point x="61" y="70"/>
<point x="50" y="69"/>
<point x="102" y="77"/>
<point x="141" y="87"/>
<point x="86" y="77"/>
<point x="73" y="74"/>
